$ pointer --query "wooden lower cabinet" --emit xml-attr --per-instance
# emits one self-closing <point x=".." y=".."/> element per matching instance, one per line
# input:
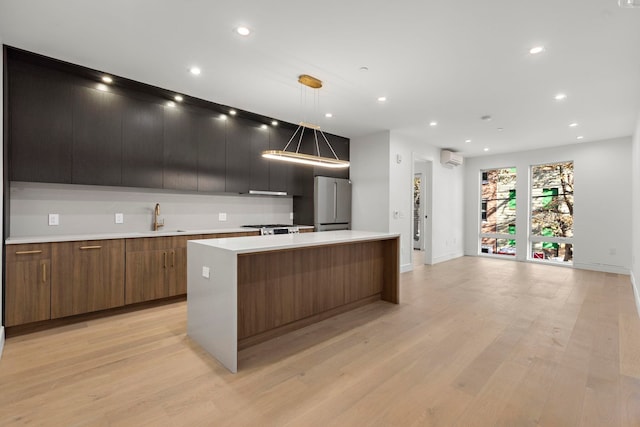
<point x="223" y="235"/>
<point x="156" y="267"/>
<point x="28" y="284"/>
<point x="87" y="276"/>
<point x="52" y="280"/>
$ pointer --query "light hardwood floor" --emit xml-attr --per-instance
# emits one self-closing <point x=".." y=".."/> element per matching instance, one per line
<point x="474" y="342"/>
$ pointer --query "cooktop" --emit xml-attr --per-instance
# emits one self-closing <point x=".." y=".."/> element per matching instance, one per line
<point x="268" y="226"/>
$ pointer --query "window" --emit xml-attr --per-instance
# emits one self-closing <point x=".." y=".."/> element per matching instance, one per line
<point x="552" y="212"/>
<point x="498" y="211"/>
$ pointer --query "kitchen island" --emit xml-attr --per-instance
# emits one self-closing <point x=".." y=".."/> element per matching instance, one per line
<point x="246" y="290"/>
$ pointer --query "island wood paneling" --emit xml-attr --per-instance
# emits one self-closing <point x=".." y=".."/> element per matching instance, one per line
<point x="278" y="289"/>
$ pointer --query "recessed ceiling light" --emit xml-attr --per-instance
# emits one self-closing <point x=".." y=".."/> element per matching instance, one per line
<point x="486" y="149"/>
<point x="560" y="96"/>
<point x="328" y="115"/>
<point x="572" y="125"/>
<point x="178" y="98"/>
<point x="171" y="104"/>
<point x="102" y="87"/>
<point x="243" y="31"/>
<point x="364" y="68"/>
<point x="433" y="123"/>
<point x="107" y="79"/>
<point x="580" y="137"/>
<point x="223" y="117"/>
<point x="274" y="123"/>
<point x="382" y="98"/>
<point x="500" y="129"/>
<point x="536" y="50"/>
<point x="263" y="126"/>
<point x="467" y="141"/>
<point x="195" y="71"/>
<point x="486" y="118"/>
<point x="232" y="112"/>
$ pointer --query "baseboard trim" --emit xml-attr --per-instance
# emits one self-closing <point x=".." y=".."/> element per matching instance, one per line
<point x="604" y="268"/>
<point x="1" y="340"/>
<point x="636" y="294"/>
<point x="406" y="267"/>
<point x="447" y="257"/>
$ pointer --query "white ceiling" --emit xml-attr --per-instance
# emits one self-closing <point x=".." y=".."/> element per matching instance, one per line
<point x="449" y="61"/>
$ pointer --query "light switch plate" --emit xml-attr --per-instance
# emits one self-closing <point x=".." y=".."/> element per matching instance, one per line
<point x="205" y="272"/>
<point x="119" y="218"/>
<point x="291" y="216"/>
<point x="222" y="216"/>
<point x="54" y="219"/>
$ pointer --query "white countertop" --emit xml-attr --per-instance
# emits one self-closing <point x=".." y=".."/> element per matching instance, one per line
<point x="250" y="244"/>
<point x="129" y="235"/>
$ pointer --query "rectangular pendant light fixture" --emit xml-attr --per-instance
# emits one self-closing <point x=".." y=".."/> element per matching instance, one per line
<point x="307" y="159"/>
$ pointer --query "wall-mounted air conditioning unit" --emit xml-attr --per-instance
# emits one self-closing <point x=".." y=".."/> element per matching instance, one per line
<point x="449" y="158"/>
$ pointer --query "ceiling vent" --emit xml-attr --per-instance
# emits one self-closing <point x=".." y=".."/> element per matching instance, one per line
<point x="449" y="158"/>
<point x="629" y="3"/>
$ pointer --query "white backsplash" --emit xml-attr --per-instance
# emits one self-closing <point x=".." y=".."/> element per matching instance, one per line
<point x="87" y="209"/>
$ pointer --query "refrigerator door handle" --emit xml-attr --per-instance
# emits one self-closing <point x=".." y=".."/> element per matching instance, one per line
<point x="335" y="200"/>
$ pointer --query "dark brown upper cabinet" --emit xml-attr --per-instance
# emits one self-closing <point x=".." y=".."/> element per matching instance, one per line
<point x="258" y="165"/>
<point x="180" y="146"/>
<point x="142" y="143"/>
<point x="280" y="173"/>
<point x="97" y="137"/>
<point x="41" y="124"/>
<point x="62" y="129"/>
<point x="341" y="147"/>
<point x="210" y="133"/>
<point x="246" y="168"/>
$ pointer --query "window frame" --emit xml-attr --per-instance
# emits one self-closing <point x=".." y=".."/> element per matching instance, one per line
<point x="534" y="238"/>
<point x="483" y="179"/>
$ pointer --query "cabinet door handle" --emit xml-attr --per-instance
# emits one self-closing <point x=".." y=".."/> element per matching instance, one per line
<point x="28" y="252"/>
<point x="173" y="259"/>
<point x="44" y="273"/>
<point x="86" y="248"/>
<point x="165" y="260"/>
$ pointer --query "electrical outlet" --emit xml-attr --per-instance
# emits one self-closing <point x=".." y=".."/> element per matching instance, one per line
<point x="222" y="216"/>
<point x="119" y="218"/>
<point x="205" y="272"/>
<point x="54" y="219"/>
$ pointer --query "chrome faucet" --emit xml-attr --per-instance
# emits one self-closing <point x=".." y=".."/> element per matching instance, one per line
<point x="156" y="213"/>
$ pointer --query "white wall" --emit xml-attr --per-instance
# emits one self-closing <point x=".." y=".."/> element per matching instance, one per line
<point x="602" y="216"/>
<point x="447" y="206"/>
<point x="369" y="174"/>
<point x="90" y="209"/>
<point x="635" y="196"/>
<point x="381" y="186"/>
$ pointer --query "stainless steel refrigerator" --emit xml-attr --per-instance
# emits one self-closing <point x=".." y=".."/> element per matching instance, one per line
<point x="332" y="204"/>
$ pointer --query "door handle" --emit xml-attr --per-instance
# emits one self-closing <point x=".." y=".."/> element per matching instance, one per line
<point x="165" y="260"/>
<point x="88" y="248"/>
<point x="44" y="272"/>
<point x="173" y="259"/>
<point x="28" y="252"/>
